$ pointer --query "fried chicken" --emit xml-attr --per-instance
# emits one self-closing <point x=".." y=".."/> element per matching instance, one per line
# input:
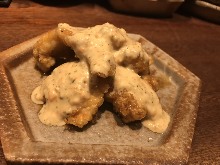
<point x="74" y="91"/>
<point x="49" y="49"/>
<point x="102" y="46"/>
<point x="69" y="95"/>
<point x="93" y="45"/>
<point x="107" y="43"/>
<point x="126" y="105"/>
<point x="132" y="55"/>
<point x="132" y="97"/>
<point x="86" y="113"/>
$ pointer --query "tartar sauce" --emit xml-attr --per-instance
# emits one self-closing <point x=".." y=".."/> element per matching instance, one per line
<point x="62" y="93"/>
<point x="104" y="51"/>
<point x="104" y="47"/>
<point x="157" y="119"/>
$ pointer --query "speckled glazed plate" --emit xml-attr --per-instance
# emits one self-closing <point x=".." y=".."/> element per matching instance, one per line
<point x="107" y="140"/>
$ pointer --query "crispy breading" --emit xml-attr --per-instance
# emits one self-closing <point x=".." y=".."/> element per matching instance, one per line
<point x="86" y="113"/>
<point x="106" y="57"/>
<point x="49" y="48"/>
<point x="126" y="105"/>
<point x="133" y="98"/>
<point x="133" y="56"/>
<point x="90" y="107"/>
<point x="70" y="95"/>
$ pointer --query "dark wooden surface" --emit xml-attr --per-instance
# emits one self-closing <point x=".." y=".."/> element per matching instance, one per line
<point x="192" y="42"/>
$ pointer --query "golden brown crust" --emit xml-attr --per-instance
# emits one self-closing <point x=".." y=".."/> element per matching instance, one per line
<point x="153" y="81"/>
<point x="126" y="105"/>
<point x="53" y="44"/>
<point x="85" y="114"/>
<point x="90" y="107"/>
<point x="48" y="49"/>
<point x="139" y="65"/>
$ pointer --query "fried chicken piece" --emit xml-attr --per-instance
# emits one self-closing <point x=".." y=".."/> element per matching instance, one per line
<point x="134" y="99"/>
<point x="70" y="95"/>
<point x="126" y="105"/>
<point x="133" y="56"/>
<point x="49" y="48"/>
<point x="86" y="113"/>
<point x="104" y="46"/>
<point x="93" y="45"/>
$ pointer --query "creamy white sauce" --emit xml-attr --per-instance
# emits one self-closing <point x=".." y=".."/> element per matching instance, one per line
<point x="102" y="50"/>
<point x="130" y="52"/>
<point x="94" y="46"/>
<point x="157" y="120"/>
<point x="63" y="92"/>
<point x="103" y="47"/>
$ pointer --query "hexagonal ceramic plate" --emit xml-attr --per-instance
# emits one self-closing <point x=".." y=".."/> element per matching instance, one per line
<point x="107" y="141"/>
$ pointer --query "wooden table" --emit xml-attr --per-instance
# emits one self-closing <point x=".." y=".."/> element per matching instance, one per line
<point x="192" y="42"/>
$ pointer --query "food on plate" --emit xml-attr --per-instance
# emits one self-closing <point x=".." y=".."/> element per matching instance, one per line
<point x="105" y="64"/>
<point x="134" y="99"/>
<point x="94" y="49"/>
<point x="50" y="48"/>
<point x="70" y="95"/>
